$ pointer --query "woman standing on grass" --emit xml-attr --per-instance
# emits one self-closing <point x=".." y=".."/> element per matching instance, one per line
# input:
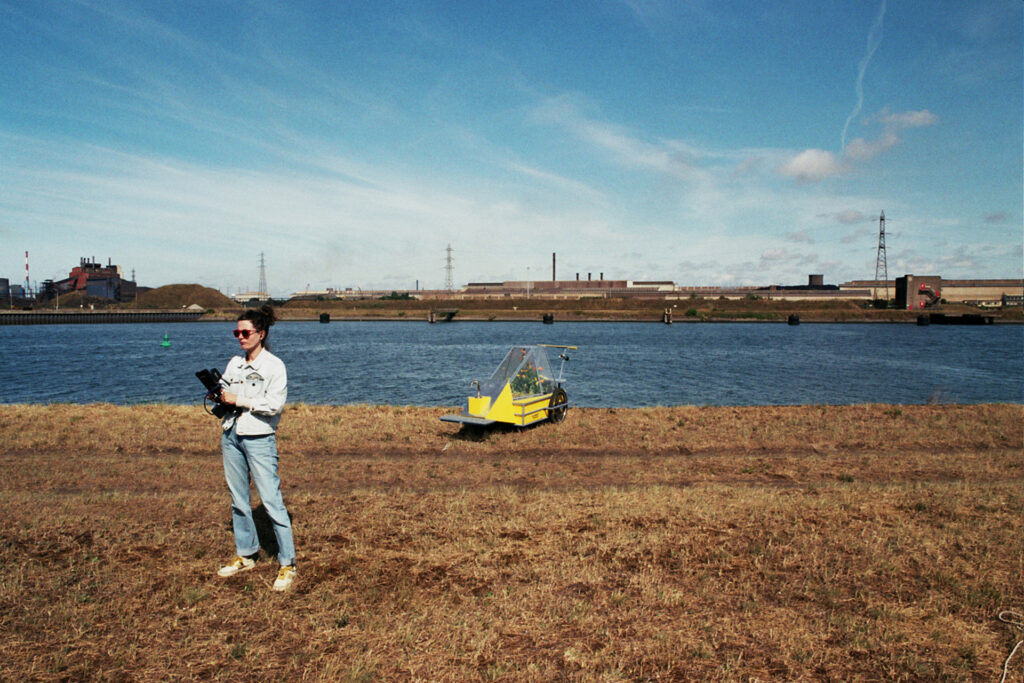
<point x="257" y="385"/>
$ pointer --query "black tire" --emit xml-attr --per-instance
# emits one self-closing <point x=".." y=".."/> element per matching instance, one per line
<point x="558" y="397"/>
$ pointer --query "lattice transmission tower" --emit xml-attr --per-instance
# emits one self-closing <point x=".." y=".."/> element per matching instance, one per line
<point x="449" y="280"/>
<point x="881" y="269"/>
<point x="261" y="292"/>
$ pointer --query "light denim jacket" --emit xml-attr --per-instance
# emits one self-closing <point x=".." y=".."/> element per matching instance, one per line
<point x="262" y="387"/>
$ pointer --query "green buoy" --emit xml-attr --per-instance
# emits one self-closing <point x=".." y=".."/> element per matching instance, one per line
<point x="166" y="342"/>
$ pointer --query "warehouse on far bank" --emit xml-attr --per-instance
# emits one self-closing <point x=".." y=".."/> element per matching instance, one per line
<point x="977" y="292"/>
<point x="92" y="279"/>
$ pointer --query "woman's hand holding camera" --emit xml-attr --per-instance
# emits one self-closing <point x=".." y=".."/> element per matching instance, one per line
<point x="228" y="398"/>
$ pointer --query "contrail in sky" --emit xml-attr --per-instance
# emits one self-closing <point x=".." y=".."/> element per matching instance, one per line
<point x="874" y="40"/>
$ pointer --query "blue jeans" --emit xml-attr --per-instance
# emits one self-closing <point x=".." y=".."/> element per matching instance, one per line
<point x="256" y="455"/>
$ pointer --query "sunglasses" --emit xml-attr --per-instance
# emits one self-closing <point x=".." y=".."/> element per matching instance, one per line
<point x="243" y="334"/>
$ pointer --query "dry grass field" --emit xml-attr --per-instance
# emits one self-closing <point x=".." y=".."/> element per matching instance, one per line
<point x="665" y="544"/>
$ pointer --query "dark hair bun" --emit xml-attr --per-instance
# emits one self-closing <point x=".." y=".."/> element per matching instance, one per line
<point x="269" y="315"/>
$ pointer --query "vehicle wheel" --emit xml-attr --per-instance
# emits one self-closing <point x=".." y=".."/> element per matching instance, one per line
<point x="558" y="397"/>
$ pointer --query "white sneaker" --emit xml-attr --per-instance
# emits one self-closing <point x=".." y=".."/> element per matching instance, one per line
<point x="284" y="578"/>
<point x="241" y="564"/>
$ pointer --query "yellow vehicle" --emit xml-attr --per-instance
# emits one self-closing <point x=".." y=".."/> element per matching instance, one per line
<point x="522" y="391"/>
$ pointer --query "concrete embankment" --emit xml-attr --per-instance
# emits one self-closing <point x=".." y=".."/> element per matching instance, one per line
<point x="79" y="317"/>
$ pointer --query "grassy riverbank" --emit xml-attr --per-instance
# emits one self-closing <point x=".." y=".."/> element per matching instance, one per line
<point x="819" y="542"/>
<point x="594" y="309"/>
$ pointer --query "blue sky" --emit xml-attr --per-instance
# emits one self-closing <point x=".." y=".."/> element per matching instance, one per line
<point x="704" y="142"/>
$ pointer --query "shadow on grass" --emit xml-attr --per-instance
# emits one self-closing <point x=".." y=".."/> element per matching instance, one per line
<point x="477" y="433"/>
<point x="265" y="529"/>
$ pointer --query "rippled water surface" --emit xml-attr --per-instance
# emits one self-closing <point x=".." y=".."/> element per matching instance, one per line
<point x="618" y="364"/>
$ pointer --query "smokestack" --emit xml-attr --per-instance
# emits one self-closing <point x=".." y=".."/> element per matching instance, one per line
<point x="589" y="278"/>
<point x="553" y="266"/>
<point x="602" y="276"/>
<point x="27" y="286"/>
<point x="577" y="277"/>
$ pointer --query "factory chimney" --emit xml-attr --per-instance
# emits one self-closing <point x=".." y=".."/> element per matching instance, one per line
<point x="552" y="266"/>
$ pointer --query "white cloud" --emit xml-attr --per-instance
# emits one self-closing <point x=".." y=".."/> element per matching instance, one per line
<point x="658" y="17"/>
<point x="812" y="165"/>
<point x="622" y="146"/>
<point x="780" y="255"/>
<point x="748" y="165"/>
<point x="858" y="236"/>
<point x="815" y="165"/>
<point x="909" y="119"/>
<point x="849" y="216"/>
<point x="557" y="181"/>
<point x="860" y="149"/>
<point x="631" y="152"/>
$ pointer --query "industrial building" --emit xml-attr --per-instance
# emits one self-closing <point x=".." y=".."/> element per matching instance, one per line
<point x="915" y="292"/>
<point x="92" y="279"/>
<point x="246" y="297"/>
<point x="569" y="289"/>
<point x="9" y="292"/>
<point x="977" y="292"/>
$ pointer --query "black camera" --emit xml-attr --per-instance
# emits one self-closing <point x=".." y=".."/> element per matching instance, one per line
<point x="211" y="380"/>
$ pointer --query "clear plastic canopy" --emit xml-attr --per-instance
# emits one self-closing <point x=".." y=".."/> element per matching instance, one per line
<point x="527" y="371"/>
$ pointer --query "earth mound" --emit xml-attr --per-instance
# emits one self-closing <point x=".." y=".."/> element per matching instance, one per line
<point x="182" y="296"/>
<point x="78" y="299"/>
